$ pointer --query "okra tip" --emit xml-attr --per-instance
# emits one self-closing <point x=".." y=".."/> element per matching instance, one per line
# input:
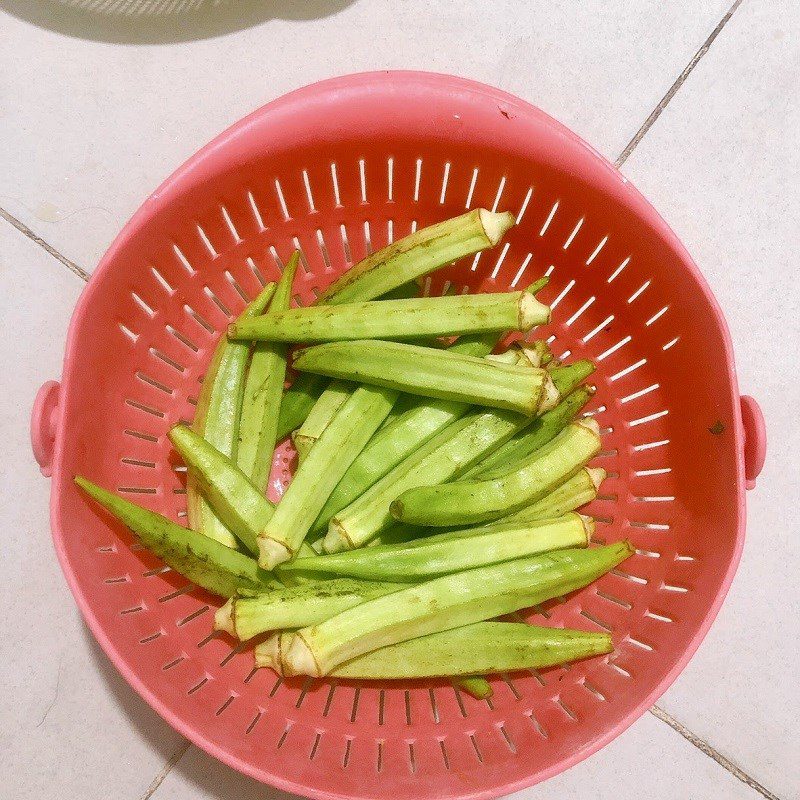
<point x="298" y="659"/>
<point x="550" y="396"/>
<point x="268" y="652"/>
<point x="272" y="552"/>
<point x="496" y="224"/>
<point x="532" y="312"/>
<point x="596" y="475"/>
<point x="588" y="527"/>
<point x="590" y="424"/>
<point x="336" y="539"/>
<point x="223" y="618"/>
<point x="396" y="508"/>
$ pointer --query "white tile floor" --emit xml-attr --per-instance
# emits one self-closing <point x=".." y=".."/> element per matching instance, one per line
<point x="89" y="127"/>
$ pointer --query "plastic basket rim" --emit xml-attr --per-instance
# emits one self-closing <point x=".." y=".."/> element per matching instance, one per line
<point x="209" y="157"/>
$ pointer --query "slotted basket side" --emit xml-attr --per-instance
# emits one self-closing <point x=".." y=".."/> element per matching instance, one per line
<point x="339" y="170"/>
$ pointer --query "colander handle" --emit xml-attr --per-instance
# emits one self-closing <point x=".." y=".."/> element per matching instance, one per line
<point x="44" y="425"/>
<point x="755" y="440"/>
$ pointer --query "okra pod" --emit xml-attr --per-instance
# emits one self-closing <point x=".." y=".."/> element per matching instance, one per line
<point x="471" y="501"/>
<point x="217" y="417"/>
<point x="320" y="471"/>
<point x="299" y="398"/>
<point x="445" y="553"/>
<point x="262" y="392"/>
<point x="295" y="607"/>
<point x="297" y="402"/>
<point x="241" y="506"/>
<point x="420" y="421"/>
<point x="397" y="319"/>
<point x="442" y="458"/>
<point x="580" y="489"/>
<point x="445" y="603"/>
<point x="539" y="433"/>
<point x="486" y="647"/>
<point x="475" y="686"/>
<point x="205" y="562"/>
<point x="422" y="252"/>
<point x="387" y="268"/>
<point x="320" y="416"/>
<point x="444" y="374"/>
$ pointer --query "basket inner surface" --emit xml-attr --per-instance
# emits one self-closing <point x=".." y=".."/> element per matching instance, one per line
<point x="620" y="297"/>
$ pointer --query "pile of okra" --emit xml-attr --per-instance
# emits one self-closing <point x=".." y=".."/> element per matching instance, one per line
<point x="438" y="479"/>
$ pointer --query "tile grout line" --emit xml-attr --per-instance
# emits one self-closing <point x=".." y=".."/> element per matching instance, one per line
<point x="165" y="770"/>
<point x="711" y="752"/>
<point x="679" y="81"/>
<point x="26" y="231"/>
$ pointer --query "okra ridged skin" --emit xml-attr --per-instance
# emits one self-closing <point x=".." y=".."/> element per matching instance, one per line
<point x="446" y="553"/>
<point x="472" y="501"/>
<point x="263" y="390"/>
<point x="320" y="416"/>
<point x="536" y="435"/>
<point x="388" y="448"/>
<point x="297" y="402"/>
<point x="295" y="607"/>
<point x="206" y="562"/>
<point x="485" y="647"/>
<point x="445" y="603"/>
<point x="422" y="252"/>
<point x="241" y="506"/>
<point x="444" y="457"/>
<point x="217" y="416"/>
<point x="579" y="490"/>
<point x="397" y="319"/>
<point x="318" y="474"/>
<point x="387" y="278"/>
<point x="419" y="422"/>
<point x="443" y="374"/>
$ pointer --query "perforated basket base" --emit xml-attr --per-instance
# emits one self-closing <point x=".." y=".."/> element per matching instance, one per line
<point x="337" y="170"/>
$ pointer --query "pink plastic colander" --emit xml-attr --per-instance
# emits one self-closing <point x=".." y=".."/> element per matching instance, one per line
<point x="339" y="169"/>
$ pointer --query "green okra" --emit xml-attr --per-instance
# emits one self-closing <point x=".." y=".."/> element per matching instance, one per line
<point x="320" y="416"/>
<point x="397" y="319"/>
<point x="262" y="392"/>
<point x="477" y="687"/>
<point x="427" y="558"/>
<point x="299" y="398"/>
<point x="445" y="603"/>
<point x="237" y="502"/>
<point x="205" y="562"/>
<point x="486" y="647"/>
<point x="294" y="607"/>
<point x="402" y="292"/>
<point x="297" y="402"/>
<point x="580" y="489"/>
<point x="567" y="376"/>
<point x="539" y="433"/>
<point x="471" y="501"/>
<point x="421" y="420"/>
<point x="418" y="421"/>
<point x="512" y="356"/>
<point x="422" y="252"/>
<point x="217" y="417"/>
<point x="443" y="374"/>
<point x="320" y="471"/>
<point x="387" y="268"/>
<point x="442" y="458"/>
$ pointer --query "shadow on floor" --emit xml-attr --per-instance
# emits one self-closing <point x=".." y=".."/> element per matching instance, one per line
<point x="162" y="21"/>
